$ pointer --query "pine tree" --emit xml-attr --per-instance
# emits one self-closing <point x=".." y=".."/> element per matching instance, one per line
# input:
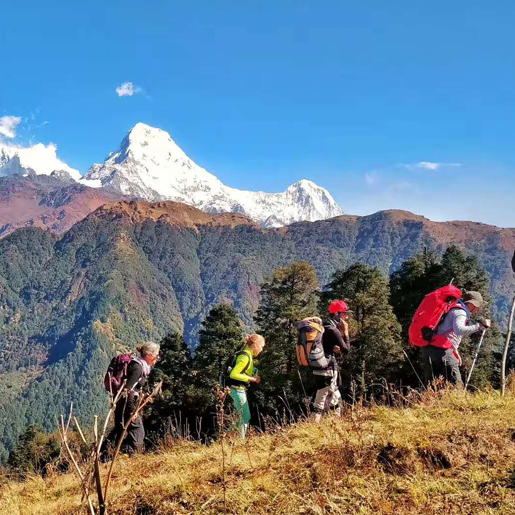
<point x="174" y="365"/>
<point x="34" y="451"/>
<point x="290" y="295"/>
<point x="416" y="277"/>
<point x="174" y="368"/>
<point x="220" y="337"/>
<point x="376" y="348"/>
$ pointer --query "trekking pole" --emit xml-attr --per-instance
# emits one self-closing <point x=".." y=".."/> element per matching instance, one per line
<point x="418" y="377"/>
<point x="475" y="357"/>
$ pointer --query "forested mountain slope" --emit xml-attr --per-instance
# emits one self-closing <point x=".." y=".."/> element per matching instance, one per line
<point x="134" y="270"/>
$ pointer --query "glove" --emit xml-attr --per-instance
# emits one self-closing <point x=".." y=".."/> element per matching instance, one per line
<point x="485" y="322"/>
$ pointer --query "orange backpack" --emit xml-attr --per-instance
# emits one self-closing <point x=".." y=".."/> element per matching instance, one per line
<point x="310" y="350"/>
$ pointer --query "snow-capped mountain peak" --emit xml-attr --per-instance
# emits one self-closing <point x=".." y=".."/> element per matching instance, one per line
<point x="144" y="143"/>
<point x="151" y="166"/>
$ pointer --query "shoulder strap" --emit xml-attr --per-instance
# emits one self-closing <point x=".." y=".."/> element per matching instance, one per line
<point x="457" y="304"/>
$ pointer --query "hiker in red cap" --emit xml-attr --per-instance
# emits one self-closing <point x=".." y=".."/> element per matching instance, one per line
<point x="336" y="342"/>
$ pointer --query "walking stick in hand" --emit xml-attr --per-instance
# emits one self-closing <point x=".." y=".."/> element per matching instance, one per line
<point x="508" y="338"/>
<point x="475" y="357"/>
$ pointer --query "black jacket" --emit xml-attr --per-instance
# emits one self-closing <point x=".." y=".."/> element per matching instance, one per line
<point x="136" y="380"/>
<point x="332" y="338"/>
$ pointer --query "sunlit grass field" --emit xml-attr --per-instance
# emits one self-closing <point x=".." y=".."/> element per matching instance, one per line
<point x="443" y="453"/>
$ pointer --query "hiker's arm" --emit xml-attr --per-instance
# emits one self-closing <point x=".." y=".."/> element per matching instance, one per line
<point x="237" y="372"/>
<point x="342" y="342"/>
<point x="459" y="324"/>
<point x="134" y="373"/>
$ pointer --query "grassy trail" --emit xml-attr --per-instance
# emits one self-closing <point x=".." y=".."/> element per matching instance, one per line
<point x="449" y="453"/>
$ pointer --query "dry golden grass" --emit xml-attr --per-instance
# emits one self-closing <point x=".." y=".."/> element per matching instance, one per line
<point x="450" y="453"/>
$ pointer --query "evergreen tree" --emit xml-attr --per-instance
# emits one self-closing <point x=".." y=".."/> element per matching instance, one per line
<point x="376" y="349"/>
<point x="174" y="368"/>
<point x="220" y="337"/>
<point x="416" y="278"/>
<point x="34" y="451"/>
<point x="290" y="295"/>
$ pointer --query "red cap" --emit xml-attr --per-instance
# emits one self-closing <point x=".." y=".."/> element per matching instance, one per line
<point x="338" y="306"/>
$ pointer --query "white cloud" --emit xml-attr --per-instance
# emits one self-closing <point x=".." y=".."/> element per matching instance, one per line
<point x="128" y="89"/>
<point x="8" y="126"/>
<point x="429" y="165"/>
<point x="41" y="158"/>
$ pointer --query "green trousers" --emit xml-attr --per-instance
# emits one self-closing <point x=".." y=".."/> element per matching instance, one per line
<point x="241" y="405"/>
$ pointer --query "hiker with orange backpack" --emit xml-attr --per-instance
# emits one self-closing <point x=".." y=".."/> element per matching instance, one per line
<point x="439" y="325"/>
<point x="130" y="372"/>
<point x="317" y="348"/>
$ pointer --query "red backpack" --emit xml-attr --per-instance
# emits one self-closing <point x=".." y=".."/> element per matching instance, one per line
<point x="429" y="314"/>
<point x="117" y="373"/>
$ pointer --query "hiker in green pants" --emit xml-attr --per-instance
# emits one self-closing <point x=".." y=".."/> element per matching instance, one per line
<point x="242" y="374"/>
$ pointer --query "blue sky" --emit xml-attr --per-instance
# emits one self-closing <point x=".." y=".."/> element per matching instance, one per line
<point x="352" y="95"/>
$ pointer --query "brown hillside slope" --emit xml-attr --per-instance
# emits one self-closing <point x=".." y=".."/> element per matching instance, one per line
<point x="457" y="232"/>
<point x="46" y="202"/>
<point x="171" y="212"/>
<point x="449" y="453"/>
<point x="444" y="233"/>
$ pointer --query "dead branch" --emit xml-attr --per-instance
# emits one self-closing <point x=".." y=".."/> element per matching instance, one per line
<point x="63" y="433"/>
<point x="142" y="402"/>
<point x="91" y="475"/>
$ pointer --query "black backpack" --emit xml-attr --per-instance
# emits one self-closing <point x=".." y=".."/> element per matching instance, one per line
<point x="225" y="376"/>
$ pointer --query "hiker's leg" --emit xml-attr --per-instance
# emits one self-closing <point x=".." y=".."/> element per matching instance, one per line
<point x="319" y="404"/>
<point x="245" y="416"/>
<point x="436" y="367"/>
<point x="135" y="436"/>
<point x="322" y="384"/>
<point x="336" y="396"/>
<point x="452" y="368"/>
<point x="333" y="399"/>
<point x="117" y="431"/>
<point x="241" y="405"/>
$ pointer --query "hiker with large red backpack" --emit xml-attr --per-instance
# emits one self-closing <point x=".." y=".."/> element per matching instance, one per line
<point x="317" y="347"/>
<point x="130" y="372"/>
<point x="440" y="323"/>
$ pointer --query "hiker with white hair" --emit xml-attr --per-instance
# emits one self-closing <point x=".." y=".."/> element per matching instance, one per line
<point x="130" y="372"/>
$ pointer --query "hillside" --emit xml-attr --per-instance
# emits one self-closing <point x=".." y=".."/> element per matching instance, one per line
<point x="53" y="203"/>
<point x="445" y="453"/>
<point x="133" y="271"/>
